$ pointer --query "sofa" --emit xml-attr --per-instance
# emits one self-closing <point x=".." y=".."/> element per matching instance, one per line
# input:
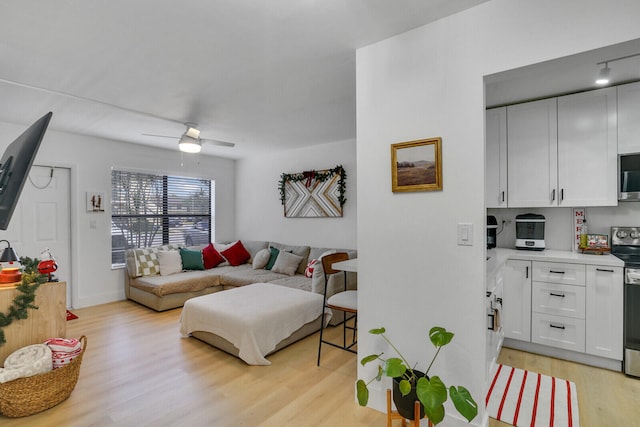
<point x="164" y="277"/>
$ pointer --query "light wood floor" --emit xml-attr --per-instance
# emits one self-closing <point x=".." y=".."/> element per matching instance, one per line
<point x="138" y="372"/>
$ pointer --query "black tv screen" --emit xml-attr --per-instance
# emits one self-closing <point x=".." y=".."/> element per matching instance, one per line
<point x="15" y="165"/>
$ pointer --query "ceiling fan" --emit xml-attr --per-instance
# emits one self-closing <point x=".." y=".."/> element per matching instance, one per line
<point x="190" y="141"/>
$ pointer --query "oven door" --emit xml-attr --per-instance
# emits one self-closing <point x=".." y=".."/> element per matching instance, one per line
<point x="632" y="321"/>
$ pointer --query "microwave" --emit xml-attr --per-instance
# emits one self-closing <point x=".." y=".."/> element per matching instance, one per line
<point x="629" y="177"/>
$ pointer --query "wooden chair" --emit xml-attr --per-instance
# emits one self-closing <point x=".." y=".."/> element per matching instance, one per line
<point x="345" y="301"/>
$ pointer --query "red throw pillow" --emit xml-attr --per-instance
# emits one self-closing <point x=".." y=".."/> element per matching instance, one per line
<point x="236" y="254"/>
<point x="211" y="257"/>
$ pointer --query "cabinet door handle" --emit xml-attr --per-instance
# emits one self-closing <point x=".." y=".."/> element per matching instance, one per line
<point x="553" y="195"/>
<point x="556" y="295"/>
<point x="551" y="325"/>
<point x="526" y="275"/>
<point x="604" y="270"/>
<point x="502" y="195"/>
<point x="556" y="272"/>
<point x="562" y="194"/>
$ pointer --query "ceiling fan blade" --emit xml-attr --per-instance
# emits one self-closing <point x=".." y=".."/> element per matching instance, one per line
<point x="216" y="142"/>
<point x="161" y="136"/>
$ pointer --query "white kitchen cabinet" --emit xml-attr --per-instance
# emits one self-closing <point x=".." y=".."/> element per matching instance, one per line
<point x="588" y="148"/>
<point x="558" y="331"/>
<point x="532" y="154"/>
<point x="604" y="301"/>
<point x="516" y="300"/>
<point x="629" y="118"/>
<point x="496" y="158"/>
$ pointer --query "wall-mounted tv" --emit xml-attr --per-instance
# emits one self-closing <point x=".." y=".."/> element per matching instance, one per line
<point x="15" y="165"/>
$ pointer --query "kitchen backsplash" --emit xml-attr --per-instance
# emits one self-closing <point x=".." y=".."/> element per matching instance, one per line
<point x="559" y="223"/>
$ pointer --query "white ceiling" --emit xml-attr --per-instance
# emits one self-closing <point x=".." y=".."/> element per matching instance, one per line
<point x="263" y="74"/>
<point x="565" y="75"/>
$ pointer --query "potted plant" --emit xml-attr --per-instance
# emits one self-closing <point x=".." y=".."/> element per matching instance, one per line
<point x="410" y="383"/>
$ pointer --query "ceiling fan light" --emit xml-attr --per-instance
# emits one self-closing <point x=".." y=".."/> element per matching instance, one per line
<point x="603" y="76"/>
<point x="189" y="145"/>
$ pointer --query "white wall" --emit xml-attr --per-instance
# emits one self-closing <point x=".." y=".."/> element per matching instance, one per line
<point x="91" y="160"/>
<point x="559" y="223"/>
<point x="425" y="83"/>
<point x="260" y="215"/>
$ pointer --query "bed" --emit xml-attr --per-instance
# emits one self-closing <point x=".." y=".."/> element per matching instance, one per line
<point x="253" y="321"/>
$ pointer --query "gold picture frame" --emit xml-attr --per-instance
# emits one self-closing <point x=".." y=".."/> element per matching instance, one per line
<point x="416" y="165"/>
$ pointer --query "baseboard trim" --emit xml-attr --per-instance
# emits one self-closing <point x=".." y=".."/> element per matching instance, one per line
<point x="586" y="359"/>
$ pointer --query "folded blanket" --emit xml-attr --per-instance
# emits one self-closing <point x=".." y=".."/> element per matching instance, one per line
<point x="26" y="362"/>
<point x="63" y="350"/>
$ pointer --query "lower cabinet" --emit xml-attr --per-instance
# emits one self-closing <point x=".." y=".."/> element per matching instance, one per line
<point x="569" y="306"/>
<point x="605" y="299"/>
<point x="516" y="300"/>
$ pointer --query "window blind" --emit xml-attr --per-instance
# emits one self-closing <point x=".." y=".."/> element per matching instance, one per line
<point x="153" y="210"/>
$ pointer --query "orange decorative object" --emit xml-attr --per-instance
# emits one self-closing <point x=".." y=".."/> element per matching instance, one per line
<point x="10" y="275"/>
<point x="47" y="266"/>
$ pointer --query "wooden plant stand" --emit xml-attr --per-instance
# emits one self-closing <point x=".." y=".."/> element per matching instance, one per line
<point x="394" y="415"/>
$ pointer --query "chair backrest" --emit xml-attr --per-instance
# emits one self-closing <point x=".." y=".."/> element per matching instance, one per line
<point x="328" y="260"/>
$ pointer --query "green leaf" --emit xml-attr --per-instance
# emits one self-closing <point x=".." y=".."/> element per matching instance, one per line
<point x="380" y="372"/>
<point x="363" y="393"/>
<point x="377" y="331"/>
<point x="369" y="358"/>
<point x="463" y="402"/>
<point x="432" y="393"/>
<point x="404" y="386"/>
<point x="394" y="367"/>
<point x="439" y="336"/>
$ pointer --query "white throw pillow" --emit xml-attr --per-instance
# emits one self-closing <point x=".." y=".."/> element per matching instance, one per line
<point x="170" y="262"/>
<point x="286" y="263"/>
<point x="261" y="259"/>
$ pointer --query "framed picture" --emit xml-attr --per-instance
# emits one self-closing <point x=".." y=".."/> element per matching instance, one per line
<point x="417" y="165"/>
<point x="95" y="201"/>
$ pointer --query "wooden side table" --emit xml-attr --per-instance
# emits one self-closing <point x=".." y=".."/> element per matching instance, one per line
<point x="48" y="321"/>
<point x="394" y="415"/>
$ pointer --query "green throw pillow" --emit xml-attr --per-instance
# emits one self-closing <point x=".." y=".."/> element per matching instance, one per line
<point x="272" y="259"/>
<point x="191" y="260"/>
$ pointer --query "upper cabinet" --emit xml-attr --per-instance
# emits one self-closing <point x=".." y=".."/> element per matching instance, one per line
<point x="588" y="149"/>
<point x="560" y="151"/>
<point x="629" y="118"/>
<point x="532" y="140"/>
<point x="496" y="158"/>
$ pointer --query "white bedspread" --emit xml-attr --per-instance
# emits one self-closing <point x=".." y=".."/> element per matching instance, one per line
<point x="254" y="318"/>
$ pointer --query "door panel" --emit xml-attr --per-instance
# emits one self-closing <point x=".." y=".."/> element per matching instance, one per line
<point x="41" y="220"/>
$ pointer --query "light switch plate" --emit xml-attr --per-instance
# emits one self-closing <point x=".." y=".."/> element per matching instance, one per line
<point x="465" y="234"/>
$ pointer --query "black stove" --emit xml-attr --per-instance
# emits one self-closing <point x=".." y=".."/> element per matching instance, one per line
<point x="625" y="244"/>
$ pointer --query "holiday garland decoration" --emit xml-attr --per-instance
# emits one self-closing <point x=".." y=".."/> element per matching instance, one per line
<point x="310" y="176"/>
<point x="27" y="288"/>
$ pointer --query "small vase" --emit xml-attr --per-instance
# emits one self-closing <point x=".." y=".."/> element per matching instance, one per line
<point x="405" y="404"/>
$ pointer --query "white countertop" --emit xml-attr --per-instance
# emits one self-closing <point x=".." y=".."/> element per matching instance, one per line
<point x="499" y="255"/>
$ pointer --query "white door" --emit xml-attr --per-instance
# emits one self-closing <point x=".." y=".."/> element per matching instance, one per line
<point x="516" y="300"/>
<point x="532" y="149"/>
<point x="41" y="220"/>
<point x="496" y="158"/>
<point x="587" y="148"/>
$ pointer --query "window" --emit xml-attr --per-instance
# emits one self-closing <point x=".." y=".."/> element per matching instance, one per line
<point x="154" y="210"/>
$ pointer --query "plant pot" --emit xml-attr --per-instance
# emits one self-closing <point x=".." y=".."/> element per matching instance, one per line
<point x="405" y="404"/>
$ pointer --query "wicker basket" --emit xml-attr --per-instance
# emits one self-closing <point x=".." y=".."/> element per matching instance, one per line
<point x="28" y="396"/>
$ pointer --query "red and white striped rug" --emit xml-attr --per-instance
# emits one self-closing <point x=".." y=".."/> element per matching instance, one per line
<point x="523" y="398"/>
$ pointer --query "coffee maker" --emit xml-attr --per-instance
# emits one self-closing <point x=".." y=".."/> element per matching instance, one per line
<point x="530" y="232"/>
<point x="492" y="228"/>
